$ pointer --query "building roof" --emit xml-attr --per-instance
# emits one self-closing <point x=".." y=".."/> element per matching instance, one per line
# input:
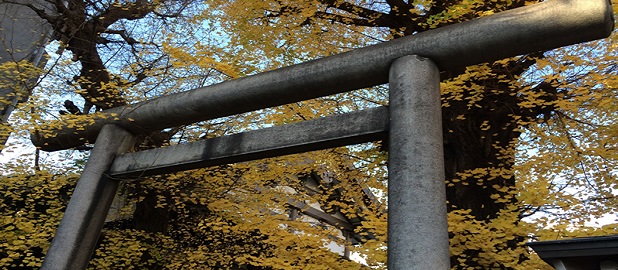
<point x="586" y="251"/>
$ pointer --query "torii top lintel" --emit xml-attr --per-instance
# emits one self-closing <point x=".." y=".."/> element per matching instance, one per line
<point x="541" y="26"/>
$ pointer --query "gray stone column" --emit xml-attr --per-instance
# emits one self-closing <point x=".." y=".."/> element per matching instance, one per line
<point x="85" y="215"/>
<point x="417" y="225"/>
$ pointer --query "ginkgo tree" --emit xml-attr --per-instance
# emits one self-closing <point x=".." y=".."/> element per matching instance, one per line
<point x="530" y="141"/>
<point x="103" y="56"/>
<point x="496" y="115"/>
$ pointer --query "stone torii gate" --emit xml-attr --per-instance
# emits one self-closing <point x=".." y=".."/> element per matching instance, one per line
<point x="417" y="225"/>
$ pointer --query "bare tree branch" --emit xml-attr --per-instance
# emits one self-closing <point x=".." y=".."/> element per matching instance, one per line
<point x="128" y="11"/>
<point x="123" y="34"/>
<point x="370" y="15"/>
<point x="343" y="19"/>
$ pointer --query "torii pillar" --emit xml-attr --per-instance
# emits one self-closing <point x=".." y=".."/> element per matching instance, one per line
<point x="417" y="223"/>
